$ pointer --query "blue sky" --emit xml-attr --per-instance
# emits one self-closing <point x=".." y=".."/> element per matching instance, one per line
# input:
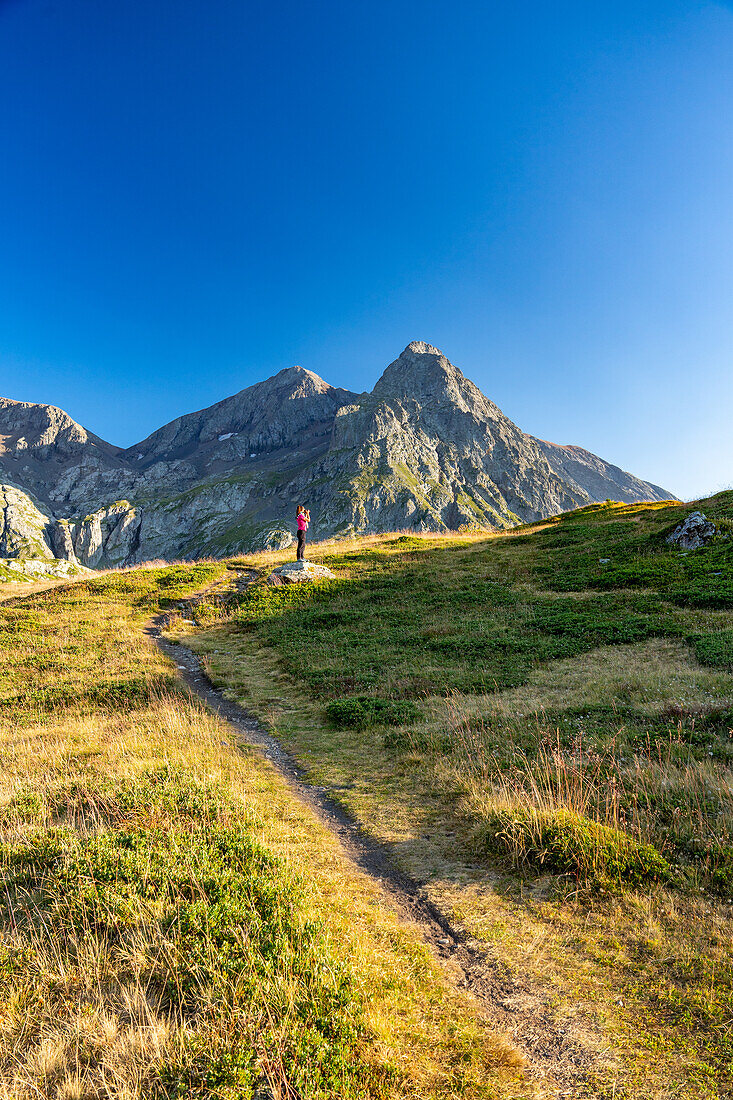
<point x="197" y="193"/>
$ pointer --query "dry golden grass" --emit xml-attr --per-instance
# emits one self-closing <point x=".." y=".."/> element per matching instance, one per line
<point x="649" y="675"/>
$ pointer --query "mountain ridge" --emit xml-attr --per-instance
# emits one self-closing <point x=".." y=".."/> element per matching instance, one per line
<point x="425" y="449"/>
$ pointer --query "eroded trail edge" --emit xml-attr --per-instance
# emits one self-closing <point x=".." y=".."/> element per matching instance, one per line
<point x="558" y="1064"/>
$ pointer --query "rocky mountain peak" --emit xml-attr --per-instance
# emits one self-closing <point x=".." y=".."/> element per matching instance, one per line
<point x="423" y="374"/>
<point x="40" y="424"/>
<point x="420" y="369"/>
<point x="29" y="429"/>
<point x="303" y="382"/>
<point x="292" y="408"/>
<point x="419" y="347"/>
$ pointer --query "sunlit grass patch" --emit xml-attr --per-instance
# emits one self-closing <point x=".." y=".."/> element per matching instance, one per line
<point x="179" y="899"/>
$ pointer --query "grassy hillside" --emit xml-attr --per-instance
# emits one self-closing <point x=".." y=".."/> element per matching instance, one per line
<point x="173" y="922"/>
<point x="540" y="724"/>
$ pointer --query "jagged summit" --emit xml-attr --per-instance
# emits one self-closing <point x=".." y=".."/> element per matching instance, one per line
<point x="26" y="425"/>
<point x="423" y="374"/>
<point x="419" y="347"/>
<point x="296" y="376"/>
<point x="419" y="366"/>
<point x="426" y="450"/>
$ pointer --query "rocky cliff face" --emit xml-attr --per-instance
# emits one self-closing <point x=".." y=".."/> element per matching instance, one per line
<point x="30" y="547"/>
<point x="425" y="450"/>
<point x="24" y="528"/>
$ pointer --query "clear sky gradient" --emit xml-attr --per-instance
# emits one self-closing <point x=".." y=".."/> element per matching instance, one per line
<point x="197" y="193"/>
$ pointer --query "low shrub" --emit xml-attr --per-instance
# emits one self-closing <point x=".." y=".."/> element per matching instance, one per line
<point x="219" y="931"/>
<point x="593" y="622"/>
<point x="714" y="649"/>
<point x="707" y="595"/>
<point x="722" y="874"/>
<point x="104" y="695"/>
<point x="408" y="540"/>
<point x="360" y="711"/>
<point x="564" y="842"/>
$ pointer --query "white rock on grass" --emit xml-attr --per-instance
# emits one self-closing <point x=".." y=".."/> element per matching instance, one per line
<point x="299" y="572"/>
<point x="694" y="531"/>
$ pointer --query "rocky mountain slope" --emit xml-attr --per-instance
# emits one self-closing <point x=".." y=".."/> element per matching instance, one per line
<point x="424" y="450"/>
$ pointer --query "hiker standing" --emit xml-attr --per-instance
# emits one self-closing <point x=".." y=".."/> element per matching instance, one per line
<point x="303" y="521"/>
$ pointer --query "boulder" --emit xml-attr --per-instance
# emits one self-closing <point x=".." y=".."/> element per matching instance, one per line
<point x="22" y="570"/>
<point x="694" y="531"/>
<point x="299" y="572"/>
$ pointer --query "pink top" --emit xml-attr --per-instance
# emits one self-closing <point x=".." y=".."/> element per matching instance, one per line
<point x="302" y="522"/>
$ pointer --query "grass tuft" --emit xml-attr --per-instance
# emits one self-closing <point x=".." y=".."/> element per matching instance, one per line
<point x="567" y="843"/>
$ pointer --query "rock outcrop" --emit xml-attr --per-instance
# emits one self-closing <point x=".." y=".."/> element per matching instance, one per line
<point x="109" y="534"/>
<point x="23" y="526"/>
<point x="425" y="450"/>
<point x="27" y="533"/>
<point x="694" y="531"/>
<point x="22" y="570"/>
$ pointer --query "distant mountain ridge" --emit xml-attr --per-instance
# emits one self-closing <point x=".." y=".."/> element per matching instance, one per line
<point x="424" y="450"/>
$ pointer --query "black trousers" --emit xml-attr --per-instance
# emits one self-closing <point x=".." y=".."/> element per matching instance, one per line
<point x="301" y="545"/>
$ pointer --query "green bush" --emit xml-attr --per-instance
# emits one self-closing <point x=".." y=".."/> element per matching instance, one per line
<point x="722" y="874"/>
<point x="360" y="711"/>
<point x="593" y="622"/>
<point x="409" y="540"/>
<point x="568" y="843"/>
<point x="647" y="572"/>
<point x="714" y="649"/>
<point x="714" y="595"/>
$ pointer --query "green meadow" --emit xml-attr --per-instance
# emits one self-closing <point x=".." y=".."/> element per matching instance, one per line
<point x="538" y="723"/>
